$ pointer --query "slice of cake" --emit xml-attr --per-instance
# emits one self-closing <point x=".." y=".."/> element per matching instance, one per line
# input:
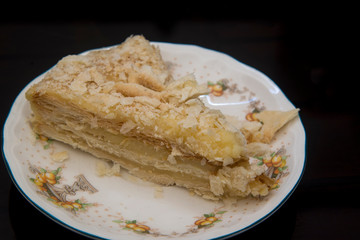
<point x="122" y="104"/>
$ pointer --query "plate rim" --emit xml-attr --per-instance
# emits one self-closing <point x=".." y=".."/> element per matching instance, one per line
<point x="90" y="235"/>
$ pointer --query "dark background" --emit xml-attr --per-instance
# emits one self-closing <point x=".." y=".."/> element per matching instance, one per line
<point x="309" y="50"/>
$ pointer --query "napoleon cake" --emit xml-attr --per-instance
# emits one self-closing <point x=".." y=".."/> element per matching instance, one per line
<point x="121" y="104"/>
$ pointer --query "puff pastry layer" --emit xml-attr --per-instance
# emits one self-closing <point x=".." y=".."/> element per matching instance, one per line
<point x="122" y="104"/>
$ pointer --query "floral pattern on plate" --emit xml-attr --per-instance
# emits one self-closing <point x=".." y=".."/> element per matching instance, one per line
<point x="208" y="220"/>
<point x="203" y="222"/>
<point x="134" y="225"/>
<point x="46" y="181"/>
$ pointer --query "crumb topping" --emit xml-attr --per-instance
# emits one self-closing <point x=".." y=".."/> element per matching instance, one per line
<point x="130" y="84"/>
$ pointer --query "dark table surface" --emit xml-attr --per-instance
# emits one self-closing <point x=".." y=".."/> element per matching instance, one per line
<point x="309" y="54"/>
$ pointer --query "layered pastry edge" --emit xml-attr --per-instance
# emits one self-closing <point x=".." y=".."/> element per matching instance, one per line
<point x="111" y="103"/>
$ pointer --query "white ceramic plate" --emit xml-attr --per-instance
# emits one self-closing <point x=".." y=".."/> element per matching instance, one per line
<point x="113" y="207"/>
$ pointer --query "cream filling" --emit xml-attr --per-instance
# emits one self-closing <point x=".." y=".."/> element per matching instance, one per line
<point x="143" y="164"/>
